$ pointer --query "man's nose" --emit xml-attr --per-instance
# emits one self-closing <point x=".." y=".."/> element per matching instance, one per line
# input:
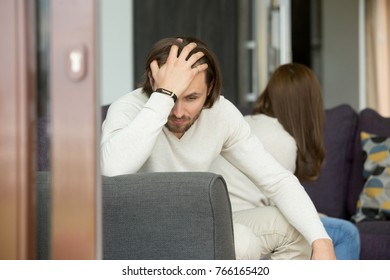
<point x="178" y="110"/>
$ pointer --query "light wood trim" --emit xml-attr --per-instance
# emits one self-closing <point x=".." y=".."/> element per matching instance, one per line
<point x="74" y="132"/>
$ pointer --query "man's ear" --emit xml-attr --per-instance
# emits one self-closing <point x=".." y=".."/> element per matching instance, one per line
<point x="151" y="81"/>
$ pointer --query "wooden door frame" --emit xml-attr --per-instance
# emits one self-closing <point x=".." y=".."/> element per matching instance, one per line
<point x="17" y="133"/>
<point x="75" y="123"/>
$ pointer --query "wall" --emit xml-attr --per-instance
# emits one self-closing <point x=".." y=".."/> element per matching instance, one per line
<point x="340" y="50"/>
<point x="215" y="22"/>
<point x="116" y="49"/>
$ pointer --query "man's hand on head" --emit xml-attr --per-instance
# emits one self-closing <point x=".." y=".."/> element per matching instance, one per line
<point x="178" y="71"/>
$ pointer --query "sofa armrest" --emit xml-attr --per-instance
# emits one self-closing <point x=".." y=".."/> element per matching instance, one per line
<point x="167" y="216"/>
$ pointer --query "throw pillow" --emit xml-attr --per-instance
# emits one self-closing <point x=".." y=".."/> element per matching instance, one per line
<point x="374" y="200"/>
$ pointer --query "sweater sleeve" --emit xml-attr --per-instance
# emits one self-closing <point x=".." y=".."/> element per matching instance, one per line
<point x="130" y="131"/>
<point x="246" y="152"/>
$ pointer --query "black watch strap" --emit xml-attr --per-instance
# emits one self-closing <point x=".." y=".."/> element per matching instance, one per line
<point x="167" y="92"/>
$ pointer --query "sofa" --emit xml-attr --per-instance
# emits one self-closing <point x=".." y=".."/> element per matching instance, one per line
<point x="149" y="216"/>
<point x="335" y="194"/>
<point x="156" y="216"/>
<point x="341" y="181"/>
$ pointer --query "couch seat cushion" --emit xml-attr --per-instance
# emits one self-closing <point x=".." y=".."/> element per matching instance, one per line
<point x="375" y="240"/>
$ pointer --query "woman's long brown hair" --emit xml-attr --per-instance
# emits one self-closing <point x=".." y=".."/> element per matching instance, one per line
<point x="293" y="96"/>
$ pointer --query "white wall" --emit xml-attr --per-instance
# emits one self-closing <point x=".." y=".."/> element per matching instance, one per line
<point x="340" y="73"/>
<point x="116" y="49"/>
<point x="340" y="51"/>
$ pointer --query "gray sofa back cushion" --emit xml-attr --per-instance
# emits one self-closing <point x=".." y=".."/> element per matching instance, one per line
<point x="167" y="216"/>
<point x="155" y="216"/>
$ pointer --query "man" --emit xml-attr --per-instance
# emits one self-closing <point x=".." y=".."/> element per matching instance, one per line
<point x="178" y="121"/>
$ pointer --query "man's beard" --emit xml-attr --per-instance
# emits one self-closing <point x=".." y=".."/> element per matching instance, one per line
<point x="181" y="128"/>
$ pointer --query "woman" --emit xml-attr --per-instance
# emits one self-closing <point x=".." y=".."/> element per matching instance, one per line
<point x="288" y="119"/>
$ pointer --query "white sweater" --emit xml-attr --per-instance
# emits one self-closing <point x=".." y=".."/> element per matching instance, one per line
<point x="279" y="143"/>
<point x="134" y="139"/>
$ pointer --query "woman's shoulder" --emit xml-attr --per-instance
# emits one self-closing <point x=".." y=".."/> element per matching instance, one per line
<point x="276" y="140"/>
<point x="264" y="123"/>
<point x="269" y="130"/>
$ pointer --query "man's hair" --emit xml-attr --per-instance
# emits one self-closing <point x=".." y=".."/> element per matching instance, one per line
<point x="160" y="52"/>
<point x="293" y="96"/>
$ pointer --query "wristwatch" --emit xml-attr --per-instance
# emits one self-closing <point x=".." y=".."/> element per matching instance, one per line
<point x="167" y="92"/>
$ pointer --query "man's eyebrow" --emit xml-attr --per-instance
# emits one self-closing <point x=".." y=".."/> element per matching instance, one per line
<point x="193" y="94"/>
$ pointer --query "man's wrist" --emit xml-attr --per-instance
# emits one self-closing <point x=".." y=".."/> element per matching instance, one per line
<point x="167" y="92"/>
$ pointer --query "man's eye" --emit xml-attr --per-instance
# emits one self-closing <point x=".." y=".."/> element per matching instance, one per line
<point x="191" y="98"/>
